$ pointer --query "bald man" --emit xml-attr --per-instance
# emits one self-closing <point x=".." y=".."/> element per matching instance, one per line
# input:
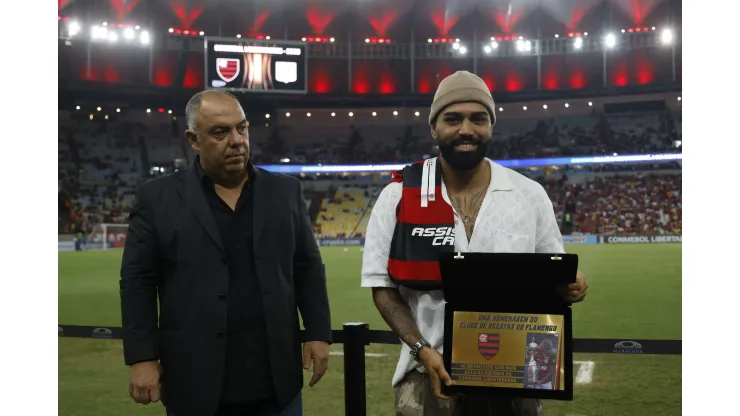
<point x="228" y="251"/>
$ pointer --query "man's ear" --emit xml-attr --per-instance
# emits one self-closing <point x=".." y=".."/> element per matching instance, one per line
<point x="434" y="131"/>
<point x="193" y="139"/>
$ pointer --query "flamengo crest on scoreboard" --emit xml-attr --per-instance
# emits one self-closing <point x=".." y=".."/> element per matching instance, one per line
<point x="255" y="65"/>
<point x="227" y="68"/>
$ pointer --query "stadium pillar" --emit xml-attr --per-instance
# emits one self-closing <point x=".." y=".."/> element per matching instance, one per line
<point x="673" y="60"/>
<point x="152" y="44"/>
<point x="349" y="61"/>
<point x="182" y="64"/>
<point x="413" y="58"/>
<point x="355" y="338"/>
<point x="475" y="48"/>
<point x="151" y="64"/>
<point x="603" y="67"/>
<point x="88" y="67"/>
<point x="538" y="46"/>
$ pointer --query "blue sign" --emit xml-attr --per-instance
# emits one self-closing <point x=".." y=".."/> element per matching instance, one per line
<point x="341" y="241"/>
<point x="580" y="239"/>
<point x="512" y="163"/>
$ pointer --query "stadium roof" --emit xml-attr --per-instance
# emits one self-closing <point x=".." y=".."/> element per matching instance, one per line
<point x="382" y="18"/>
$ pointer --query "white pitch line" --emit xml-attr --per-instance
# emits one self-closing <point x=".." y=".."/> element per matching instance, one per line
<point x="585" y="373"/>
<point x="367" y="354"/>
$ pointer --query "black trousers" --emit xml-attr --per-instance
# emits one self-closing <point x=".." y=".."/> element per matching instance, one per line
<point x="262" y="408"/>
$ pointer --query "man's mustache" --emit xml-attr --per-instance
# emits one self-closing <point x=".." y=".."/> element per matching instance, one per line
<point x="464" y="140"/>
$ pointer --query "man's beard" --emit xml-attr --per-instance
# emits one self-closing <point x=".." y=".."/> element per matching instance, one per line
<point x="463" y="161"/>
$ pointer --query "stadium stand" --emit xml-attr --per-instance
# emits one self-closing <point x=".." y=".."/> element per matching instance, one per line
<point x="519" y="138"/>
<point x="341" y="214"/>
<point x="101" y="162"/>
<point x="627" y="205"/>
<point x="604" y="204"/>
<point x="348" y="212"/>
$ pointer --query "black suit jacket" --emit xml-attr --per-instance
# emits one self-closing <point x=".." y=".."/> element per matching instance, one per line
<point x="174" y="254"/>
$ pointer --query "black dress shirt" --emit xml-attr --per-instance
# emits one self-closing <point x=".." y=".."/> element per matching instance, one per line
<point x="247" y="376"/>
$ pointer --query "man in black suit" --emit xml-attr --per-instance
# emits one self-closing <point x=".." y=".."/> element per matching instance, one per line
<point x="229" y="252"/>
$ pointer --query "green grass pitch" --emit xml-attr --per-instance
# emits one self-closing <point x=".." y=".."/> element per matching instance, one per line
<point x="635" y="293"/>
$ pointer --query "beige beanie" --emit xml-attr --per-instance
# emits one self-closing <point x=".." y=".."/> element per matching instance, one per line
<point x="460" y="87"/>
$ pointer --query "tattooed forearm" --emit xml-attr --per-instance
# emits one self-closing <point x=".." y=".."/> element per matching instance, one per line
<point x="396" y="314"/>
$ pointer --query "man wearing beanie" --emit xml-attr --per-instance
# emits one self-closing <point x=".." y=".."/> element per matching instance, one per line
<point x="475" y="205"/>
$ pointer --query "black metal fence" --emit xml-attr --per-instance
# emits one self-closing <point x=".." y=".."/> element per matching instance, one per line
<point x="355" y="336"/>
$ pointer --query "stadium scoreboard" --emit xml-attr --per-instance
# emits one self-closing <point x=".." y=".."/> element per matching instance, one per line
<point x="255" y="65"/>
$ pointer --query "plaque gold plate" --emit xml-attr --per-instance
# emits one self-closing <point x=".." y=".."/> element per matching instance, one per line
<point x="516" y="350"/>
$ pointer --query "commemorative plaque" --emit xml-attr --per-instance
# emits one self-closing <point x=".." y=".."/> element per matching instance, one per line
<point x="508" y="331"/>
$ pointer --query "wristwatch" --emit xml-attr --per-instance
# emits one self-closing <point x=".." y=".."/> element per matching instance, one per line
<point x="417" y="348"/>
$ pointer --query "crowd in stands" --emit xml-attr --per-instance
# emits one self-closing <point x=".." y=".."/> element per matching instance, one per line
<point x="100" y="166"/>
<point x="102" y="161"/>
<point x="513" y="139"/>
<point x="582" y="136"/>
<point x="625" y="204"/>
<point x="633" y="204"/>
<point x="629" y="205"/>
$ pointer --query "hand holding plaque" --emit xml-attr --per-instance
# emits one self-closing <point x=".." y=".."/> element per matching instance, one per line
<point x="576" y="292"/>
<point x="434" y="364"/>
